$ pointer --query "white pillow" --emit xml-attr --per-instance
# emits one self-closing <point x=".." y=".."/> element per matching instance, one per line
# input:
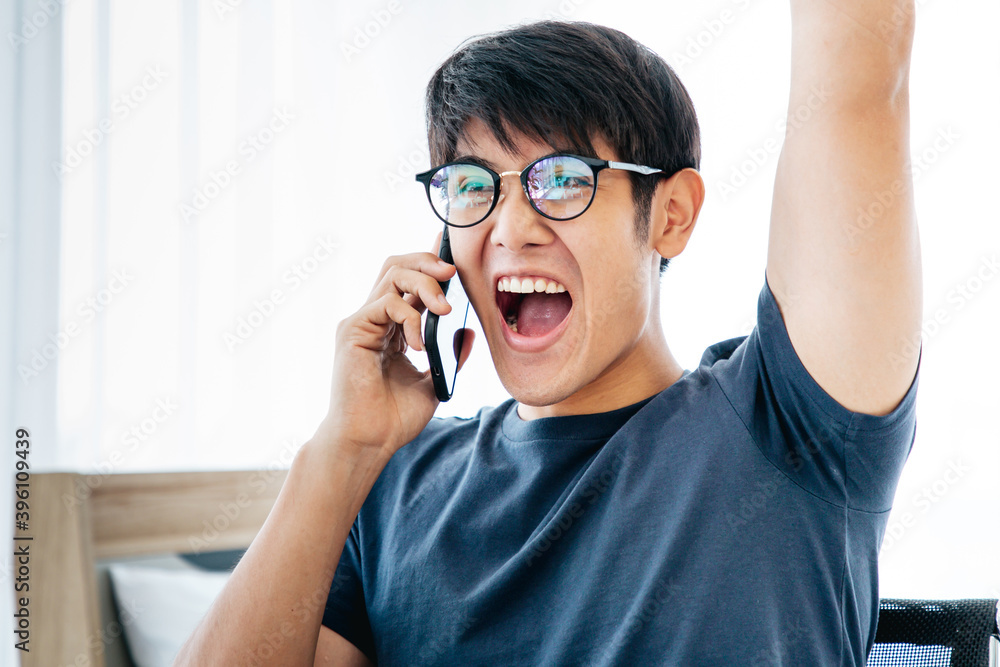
<point x="159" y="609"/>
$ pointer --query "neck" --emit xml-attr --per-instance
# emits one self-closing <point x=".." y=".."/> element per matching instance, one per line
<point x="644" y="371"/>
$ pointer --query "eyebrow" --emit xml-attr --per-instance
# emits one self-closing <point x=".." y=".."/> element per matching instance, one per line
<point x="491" y="165"/>
<point x="477" y="160"/>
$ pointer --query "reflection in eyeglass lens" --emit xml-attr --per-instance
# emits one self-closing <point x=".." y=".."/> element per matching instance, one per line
<point x="462" y="193"/>
<point x="561" y="186"/>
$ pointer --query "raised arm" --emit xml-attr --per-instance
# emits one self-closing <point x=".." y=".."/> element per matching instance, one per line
<point x="843" y="252"/>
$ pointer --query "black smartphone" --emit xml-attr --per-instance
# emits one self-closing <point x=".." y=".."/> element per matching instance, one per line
<point x="444" y="334"/>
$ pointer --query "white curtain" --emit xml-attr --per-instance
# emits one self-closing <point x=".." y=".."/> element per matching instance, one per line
<point x="218" y="209"/>
<point x="30" y="70"/>
<point x="225" y="179"/>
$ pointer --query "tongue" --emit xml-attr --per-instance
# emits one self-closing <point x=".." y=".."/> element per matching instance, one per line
<point x="540" y="313"/>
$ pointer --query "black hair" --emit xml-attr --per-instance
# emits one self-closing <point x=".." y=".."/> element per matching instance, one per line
<point x="562" y="83"/>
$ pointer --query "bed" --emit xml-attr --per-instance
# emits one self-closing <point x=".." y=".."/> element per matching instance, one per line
<point x="89" y="526"/>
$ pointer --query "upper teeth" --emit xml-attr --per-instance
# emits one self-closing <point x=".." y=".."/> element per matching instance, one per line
<point x="527" y="285"/>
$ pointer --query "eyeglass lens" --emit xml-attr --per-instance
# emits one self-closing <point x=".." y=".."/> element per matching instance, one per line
<point x="560" y="187"/>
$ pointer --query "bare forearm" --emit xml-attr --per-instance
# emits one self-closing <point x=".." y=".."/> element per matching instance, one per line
<point x="273" y="604"/>
<point x="888" y="20"/>
<point x="856" y="51"/>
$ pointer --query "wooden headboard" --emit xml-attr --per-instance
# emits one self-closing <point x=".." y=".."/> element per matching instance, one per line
<point x="80" y="518"/>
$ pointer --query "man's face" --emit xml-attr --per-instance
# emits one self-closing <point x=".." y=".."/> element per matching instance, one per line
<point x="613" y="322"/>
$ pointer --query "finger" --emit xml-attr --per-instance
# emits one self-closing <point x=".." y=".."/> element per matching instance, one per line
<point x="425" y="262"/>
<point x="436" y="249"/>
<point x="425" y="290"/>
<point x="386" y="313"/>
<point x="395" y="342"/>
<point x="414" y="300"/>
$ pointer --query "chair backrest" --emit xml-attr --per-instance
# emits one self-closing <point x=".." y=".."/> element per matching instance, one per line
<point x="936" y="633"/>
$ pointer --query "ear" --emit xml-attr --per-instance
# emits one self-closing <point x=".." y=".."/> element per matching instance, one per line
<point x="676" y="204"/>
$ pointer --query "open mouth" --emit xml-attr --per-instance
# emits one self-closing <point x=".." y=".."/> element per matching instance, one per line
<point x="532" y="314"/>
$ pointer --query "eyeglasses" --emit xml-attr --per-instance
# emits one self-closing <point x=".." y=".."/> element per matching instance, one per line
<point x="559" y="187"/>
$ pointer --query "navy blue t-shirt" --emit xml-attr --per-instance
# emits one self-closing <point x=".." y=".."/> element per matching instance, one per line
<point x="734" y="518"/>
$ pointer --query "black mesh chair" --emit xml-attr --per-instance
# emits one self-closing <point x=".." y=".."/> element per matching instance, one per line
<point x="936" y="633"/>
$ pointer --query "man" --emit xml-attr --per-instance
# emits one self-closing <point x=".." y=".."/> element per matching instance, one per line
<point x="619" y="509"/>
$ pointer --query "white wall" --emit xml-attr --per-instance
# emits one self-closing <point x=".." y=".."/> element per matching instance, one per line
<point x="222" y="76"/>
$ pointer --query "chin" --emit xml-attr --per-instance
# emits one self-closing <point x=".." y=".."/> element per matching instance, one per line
<point x="536" y="392"/>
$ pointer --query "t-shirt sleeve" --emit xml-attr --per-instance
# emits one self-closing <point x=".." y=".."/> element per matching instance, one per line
<point x="848" y="458"/>
<point x="345" y="611"/>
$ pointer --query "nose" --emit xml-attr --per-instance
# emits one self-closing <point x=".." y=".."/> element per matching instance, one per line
<point x="517" y="224"/>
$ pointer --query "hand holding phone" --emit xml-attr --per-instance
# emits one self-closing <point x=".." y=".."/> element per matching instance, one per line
<point x="379" y="400"/>
<point x="446" y="336"/>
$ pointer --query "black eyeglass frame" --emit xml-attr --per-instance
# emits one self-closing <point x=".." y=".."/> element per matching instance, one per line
<point x="595" y="164"/>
